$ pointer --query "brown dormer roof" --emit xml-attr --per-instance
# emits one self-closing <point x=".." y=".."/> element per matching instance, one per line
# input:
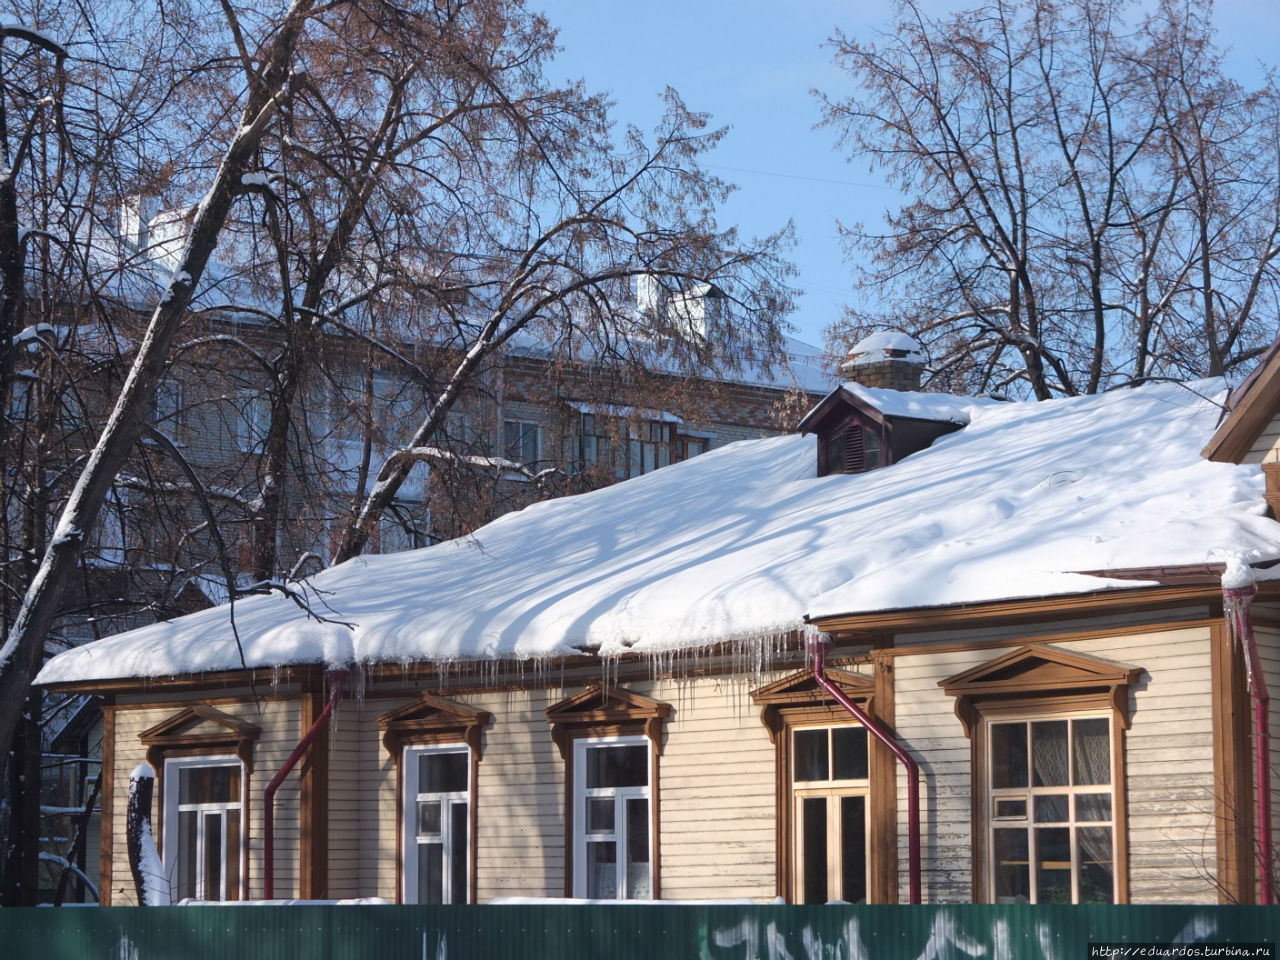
<point x="1250" y="408"/>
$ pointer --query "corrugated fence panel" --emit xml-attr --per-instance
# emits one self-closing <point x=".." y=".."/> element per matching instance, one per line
<point x="620" y="932"/>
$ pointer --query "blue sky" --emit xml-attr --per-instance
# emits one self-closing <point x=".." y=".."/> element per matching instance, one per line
<point x="751" y="64"/>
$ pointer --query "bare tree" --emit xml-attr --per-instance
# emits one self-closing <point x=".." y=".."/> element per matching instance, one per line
<point x="21" y="652"/>
<point x="1091" y="202"/>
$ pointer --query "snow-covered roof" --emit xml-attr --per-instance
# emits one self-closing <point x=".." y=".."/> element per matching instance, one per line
<point x="745" y="541"/>
<point x="945" y="407"/>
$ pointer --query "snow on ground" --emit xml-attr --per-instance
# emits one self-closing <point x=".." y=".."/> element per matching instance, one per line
<point x="744" y="541"/>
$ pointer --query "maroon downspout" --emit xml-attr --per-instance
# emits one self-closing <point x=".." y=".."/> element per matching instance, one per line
<point x="817" y="648"/>
<point x="1236" y="600"/>
<point x="336" y="679"/>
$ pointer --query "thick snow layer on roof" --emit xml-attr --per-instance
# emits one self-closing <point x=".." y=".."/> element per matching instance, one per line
<point x="922" y="406"/>
<point x="744" y="541"/>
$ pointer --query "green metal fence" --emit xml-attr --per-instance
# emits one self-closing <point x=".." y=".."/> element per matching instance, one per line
<point x="652" y="932"/>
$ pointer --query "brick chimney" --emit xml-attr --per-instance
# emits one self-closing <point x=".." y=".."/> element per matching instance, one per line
<point x="887" y="359"/>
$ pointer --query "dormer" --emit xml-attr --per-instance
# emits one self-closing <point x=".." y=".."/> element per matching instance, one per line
<point x="857" y="433"/>
<point x="860" y="427"/>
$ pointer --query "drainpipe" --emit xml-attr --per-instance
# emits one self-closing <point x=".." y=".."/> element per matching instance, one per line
<point x="817" y="649"/>
<point x="1236" y="598"/>
<point x="336" y="678"/>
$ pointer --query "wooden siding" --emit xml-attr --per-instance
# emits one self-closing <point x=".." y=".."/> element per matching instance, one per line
<point x="1168" y="755"/>
<point x="718" y="792"/>
<point x="716" y="832"/>
<point x="280" y="723"/>
<point x="1266" y="448"/>
<point x="1268" y="639"/>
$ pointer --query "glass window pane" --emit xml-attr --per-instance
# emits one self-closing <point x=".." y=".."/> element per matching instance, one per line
<point x="1011" y="809"/>
<point x="209" y="784"/>
<point x="459" y="837"/>
<point x="638" y="887"/>
<point x="428" y="818"/>
<point x="1049" y="753"/>
<point x="231" y="864"/>
<point x="1012" y="876"/>
<point x="1053" y="809"/>
<point x="1091" y="746"/>
<point x="849" y="746"/>
<point x="431" y="873"/>
<point x="443" y="772"/>
<point x="617" y="766"/>
<point x="1093" y="806"/>
<point x="835" y="453"/>
<point x="1008" y="754"/>
<point x="853" y="849"/>
<point x="600" y="814"/>
<point x="187" y="857"/>
<point x="1053" y="865"/>
<point x="870" y="450"/>
<point x="813" y="832"/>
<point x="212" y="856"/>
<point x="1096" y="876"/>
<point x="602" y="871"/>
<point x="811" y="755"/>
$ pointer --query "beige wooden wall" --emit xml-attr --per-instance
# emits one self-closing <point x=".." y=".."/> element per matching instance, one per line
<point x="716" y="776"/>
<point x="1266" y="448"/>
<point x="280" y="722"/>
<point x="1168" y="758"/>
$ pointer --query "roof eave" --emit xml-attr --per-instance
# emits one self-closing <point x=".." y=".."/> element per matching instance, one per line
<point x="1251" y="407"/>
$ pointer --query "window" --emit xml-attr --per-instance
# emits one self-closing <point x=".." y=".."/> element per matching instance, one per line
<point x="650" y="447"/>
<point x="437" y="745"/>
<point x="1047" y="728"/>
<point x="204" y="800"/>
<point x="830" y="779"/>
<point x="169" y="410"/>
<point x="610" y="740"/>
<point x="611" y="844"/>
<point x="852" y="449"/>
<point x="837" y="790"/>
<point x="596" y="444"/>
<point x="1052" y="836"/>
<point x="252" y="421"/>
<point x="520" y="441"/>
<point x="437" y="827"/>
<point x="205" y="758"/>
<point x="689" y="447"/>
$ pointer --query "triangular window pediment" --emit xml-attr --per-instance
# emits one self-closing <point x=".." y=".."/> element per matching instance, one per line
<point x="599" y="710"/>
<point x="1038" y="671"/>
<point x="800" y="691"/>
<point x="200" y="728"/>
<point x="433" y="719"/>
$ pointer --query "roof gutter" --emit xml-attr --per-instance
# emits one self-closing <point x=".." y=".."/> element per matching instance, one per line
<point x="818" y="644"/>
<point x="336" y="679"/>
<point x="1236" y="600"/>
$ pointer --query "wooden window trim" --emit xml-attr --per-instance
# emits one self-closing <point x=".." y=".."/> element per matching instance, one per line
<point x="434" y="721"/>
<point x="167" y="740"/>
<point x="796" y="700"/>
<point x="601" y="712"/>
<point x="1037" y="681"/>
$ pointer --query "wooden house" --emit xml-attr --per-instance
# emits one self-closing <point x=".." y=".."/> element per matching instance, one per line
<point x="611" y="696"/>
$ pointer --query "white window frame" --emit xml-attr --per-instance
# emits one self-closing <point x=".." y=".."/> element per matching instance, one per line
<point x="172" y="808"/>
<point x="620" y="795"/>
<point x="992" y="794"/>
<point x="409" y="823"/>
<point x="831" y="789"/>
